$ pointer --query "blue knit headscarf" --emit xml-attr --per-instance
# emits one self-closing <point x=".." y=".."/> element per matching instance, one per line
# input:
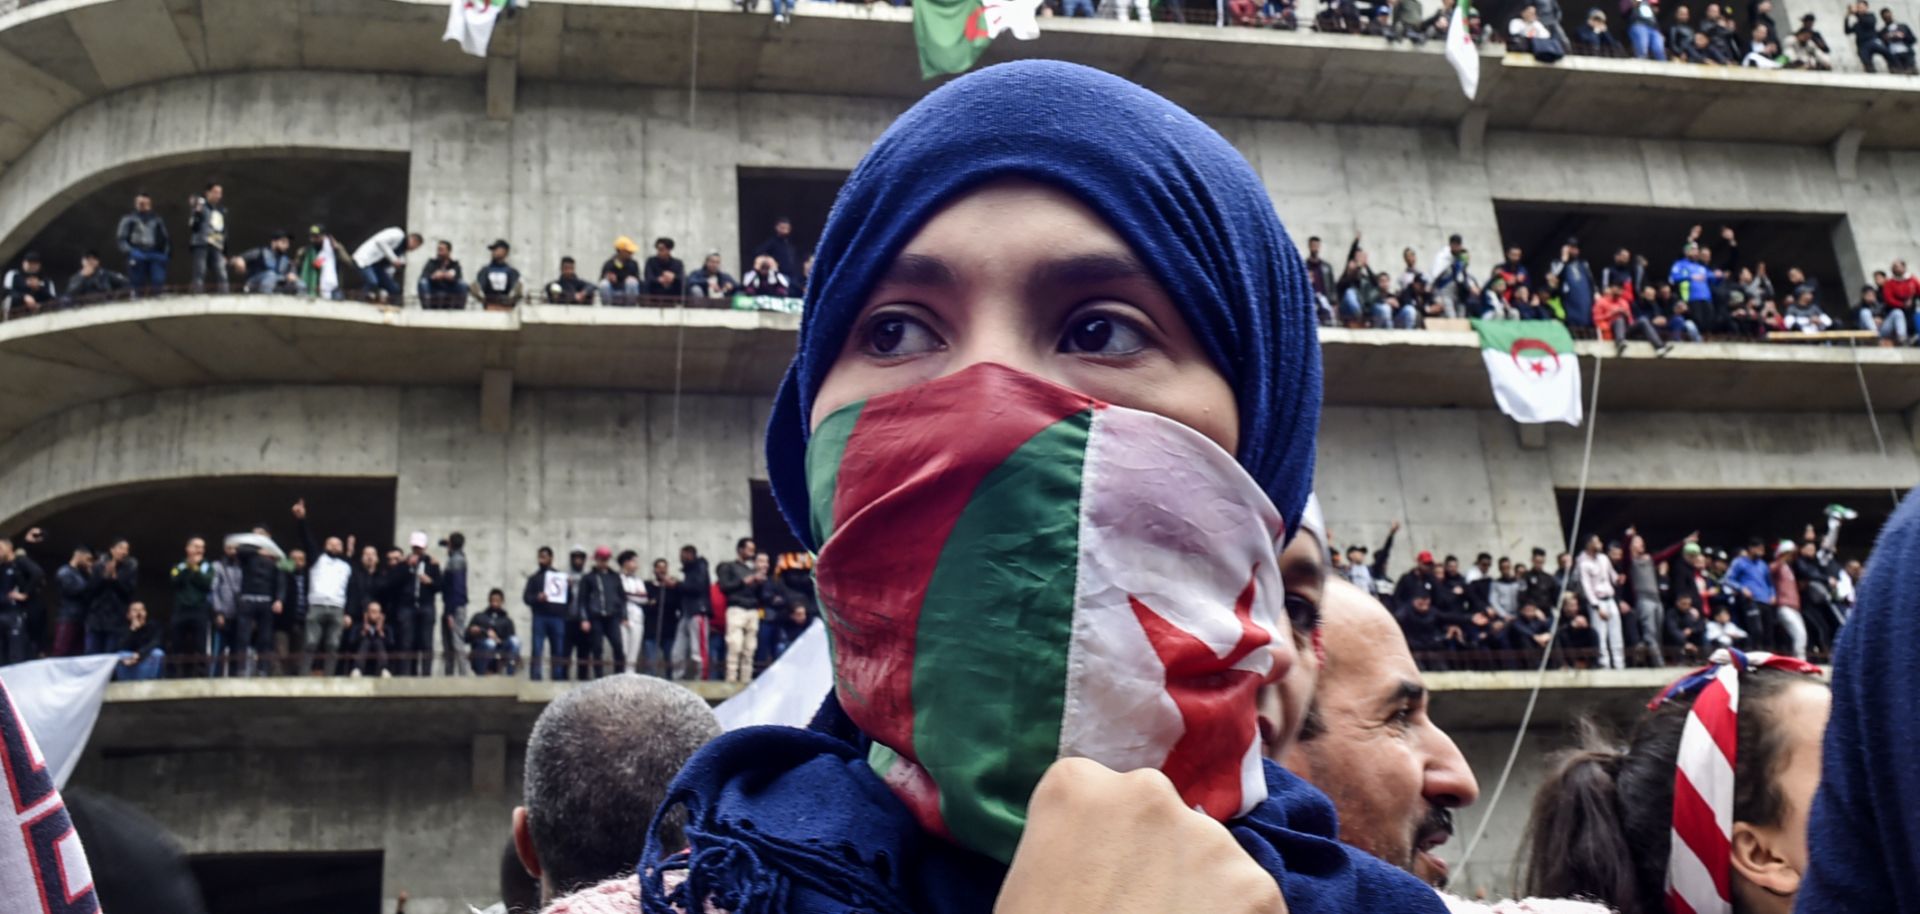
<point x="1187" y="203"/>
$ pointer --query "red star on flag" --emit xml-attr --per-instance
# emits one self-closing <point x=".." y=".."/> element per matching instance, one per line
<point x="1216" y="704"/>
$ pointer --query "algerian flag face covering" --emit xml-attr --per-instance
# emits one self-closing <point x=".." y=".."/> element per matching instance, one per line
<point x="1013" y="573"/>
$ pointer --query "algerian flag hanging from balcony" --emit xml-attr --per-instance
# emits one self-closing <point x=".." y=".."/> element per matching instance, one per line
<point x="1462" y="52"/>
<point x="952" y="34"/>
<point x="1536" y="376"/>
<point x="470" y="22"/>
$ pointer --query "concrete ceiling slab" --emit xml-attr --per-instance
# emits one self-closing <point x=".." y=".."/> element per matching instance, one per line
<point x="132" y="42"/>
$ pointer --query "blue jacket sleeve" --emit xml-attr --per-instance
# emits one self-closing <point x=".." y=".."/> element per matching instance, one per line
<point x="1864" y="839"/>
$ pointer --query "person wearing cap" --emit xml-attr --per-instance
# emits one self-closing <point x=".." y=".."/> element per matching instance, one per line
<point x="1786" y="598"/>
<point x="620" y="281"/>
<point x="142" y="237"/>
<point x="569" y="288"/>
<point x="497" y="285"/>
<point x="710" y="281"/>
<point x="665" y="274"/>
<point x="412" y="611"/>
<point x="1594" y="36"/>
<point x="1419" y="581"/>
<point x="269" y="268"/>
<point x="441" y="285"/>
<point x="378" y="258"/>
<point x="94" y="282"/>
<point x="28" y="290"/>
<point x="318" y="263"/>
<point x="600" y="609"/>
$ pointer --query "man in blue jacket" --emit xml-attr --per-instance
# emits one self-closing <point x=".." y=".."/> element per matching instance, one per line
<point x="1751" y="584"/>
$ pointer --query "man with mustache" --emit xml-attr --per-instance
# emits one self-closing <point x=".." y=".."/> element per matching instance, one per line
<point x="1393" y="775"/>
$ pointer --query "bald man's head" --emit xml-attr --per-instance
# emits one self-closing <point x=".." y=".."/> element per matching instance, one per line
<point x="1367" y="742"/>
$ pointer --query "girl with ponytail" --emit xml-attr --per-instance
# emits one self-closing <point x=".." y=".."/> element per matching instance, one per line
<point x="1637" y="826"/>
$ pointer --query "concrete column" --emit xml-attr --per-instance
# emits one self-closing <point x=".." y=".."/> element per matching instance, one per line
<point x="1846" y="153"/>
<point x="496" y="401"/>
<point x="503" y="74"/>
<point x="1533" y="436"/>
<point x="489" y="764"/>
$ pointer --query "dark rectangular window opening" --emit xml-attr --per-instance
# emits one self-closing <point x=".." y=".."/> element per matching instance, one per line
<point x="1726" y="519"/>
<point x="291" y="883"/>
<point x="803" y="195"/>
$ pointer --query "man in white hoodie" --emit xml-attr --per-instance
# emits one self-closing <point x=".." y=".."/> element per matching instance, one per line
<point x="326" y="593"/>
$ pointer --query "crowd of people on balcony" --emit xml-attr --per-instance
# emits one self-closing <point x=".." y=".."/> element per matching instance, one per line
<point x="1707" y="290"/>
<point x="328" y="606"/>
<point x="323" y="268"/>
<point x="1620" y="603"/>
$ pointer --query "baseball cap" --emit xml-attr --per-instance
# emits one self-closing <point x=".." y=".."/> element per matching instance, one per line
<point x="316" y="229"/>
<point x="1690" y="549"/>
<point x="577" y="550"/>
<point x="499" y="243"/>
<point x="602" y="552"/>
<point x="1424" y="558"/>
<point x="625" y="244"/>
<point x="1784" y="547"/>
<point x="418" y="540"/>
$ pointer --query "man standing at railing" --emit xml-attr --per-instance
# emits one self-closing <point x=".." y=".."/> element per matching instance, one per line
<point x="440" y="282"/>
<point x="326" y="592"/>
<point x="142" y="236"/>
<point x="569" y="289"/>
<point x="319" y="264"/>
<point x="208" y="228"/>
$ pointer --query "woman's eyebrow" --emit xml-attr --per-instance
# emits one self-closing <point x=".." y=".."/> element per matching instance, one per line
<point x="919" y="270"/>
<point x="1085" y="269"/>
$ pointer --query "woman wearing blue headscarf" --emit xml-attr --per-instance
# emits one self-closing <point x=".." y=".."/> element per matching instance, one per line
<point x="1050" y="421"/>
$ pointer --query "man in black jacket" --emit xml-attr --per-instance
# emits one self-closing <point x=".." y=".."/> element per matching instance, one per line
<point x="20" y="579"/>
<point x="263" y="593"/>
<point x="207" y="226"/>
<point x="114" y="582"/>
<point x="600" y="607"/>
<point x="662" y="619"/>
<point x="547" y="595"/>
<point x="1420" y="581"/>
<point x="412" y="607"/>
<point x="139" y="647"/>
<point x="369" y="642"/>
<point x="95" y="283"/>
<point x="780" y="247"/>
<point x="665" y="274"/>
<point x="690" y="641"/>
<point x="142" y="237"/>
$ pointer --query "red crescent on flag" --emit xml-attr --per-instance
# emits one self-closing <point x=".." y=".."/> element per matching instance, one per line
<point x="1525" y="345"/>
<point x="974" y="30"/>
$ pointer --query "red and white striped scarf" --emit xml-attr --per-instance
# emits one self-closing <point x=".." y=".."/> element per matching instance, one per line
<point x="1700" y="861"/>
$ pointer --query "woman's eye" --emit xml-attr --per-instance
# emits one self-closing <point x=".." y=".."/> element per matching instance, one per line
<point x="1303" y="614"/>
<point x="1099" y="334"/>
<point x="898" y="335"/>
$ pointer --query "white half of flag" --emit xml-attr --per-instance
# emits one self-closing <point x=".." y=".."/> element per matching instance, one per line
<point x="59" y="701"/>
<point x="790" y="690"/>
<point x="470" y="22"/>
<point x="1021" y="17"/>
<point x="1461" y="51"/>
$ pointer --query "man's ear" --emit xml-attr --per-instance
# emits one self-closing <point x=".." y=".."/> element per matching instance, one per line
<point x="523" y="843"/>
<point x="1757" y="858"/>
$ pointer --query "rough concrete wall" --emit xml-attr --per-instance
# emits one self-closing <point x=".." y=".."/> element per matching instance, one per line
<point x="585" y="467"/>
<point x="441" y="837"/>
<point x="1461" y="482"/>
<point x="580" y="164"/>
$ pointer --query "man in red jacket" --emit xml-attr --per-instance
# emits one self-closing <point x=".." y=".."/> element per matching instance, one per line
<point x="1900" y="291"/>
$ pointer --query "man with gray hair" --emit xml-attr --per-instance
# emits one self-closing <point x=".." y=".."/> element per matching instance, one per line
<point x="598" y="765"/>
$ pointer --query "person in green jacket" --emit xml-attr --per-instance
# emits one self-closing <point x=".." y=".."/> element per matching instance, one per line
<point x="192" y="624"/>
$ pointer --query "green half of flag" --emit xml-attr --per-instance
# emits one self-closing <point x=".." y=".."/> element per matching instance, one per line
<point x="951" y="34"/>
<point x="1502" y="335"/>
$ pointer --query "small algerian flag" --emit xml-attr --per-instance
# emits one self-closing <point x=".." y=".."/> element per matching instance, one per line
<point x="470" y="22"/>
<point x="952" y="34"/>
<point x="1536" y="377"/>
<point x="1461" y="51"/>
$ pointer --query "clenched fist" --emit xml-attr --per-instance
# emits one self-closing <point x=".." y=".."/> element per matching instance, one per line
<point x="1098" y="840"/>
